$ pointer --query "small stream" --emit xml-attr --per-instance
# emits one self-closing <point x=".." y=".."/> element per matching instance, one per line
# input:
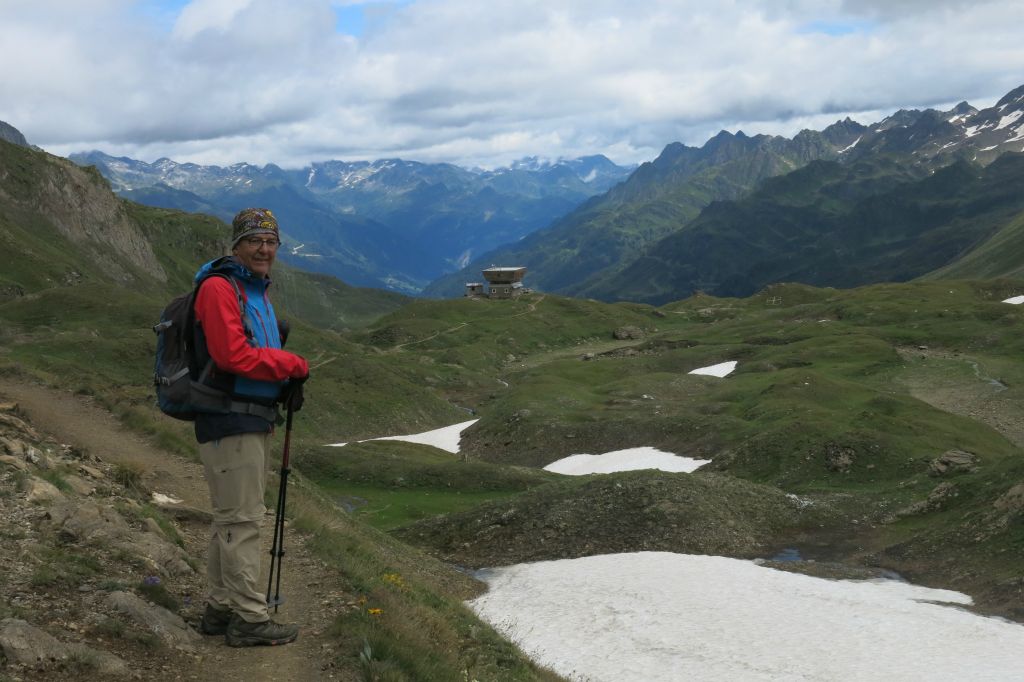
<point x="833" y="569"/>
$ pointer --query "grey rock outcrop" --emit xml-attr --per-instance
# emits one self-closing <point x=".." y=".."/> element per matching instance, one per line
<point x="9" y="133"/>
<point x="25" y="645"/>
<point x="628" y="332"/>
<point x="89" y="522"/>
<point x="953" y="462"/>
<point x="169" y="627"/>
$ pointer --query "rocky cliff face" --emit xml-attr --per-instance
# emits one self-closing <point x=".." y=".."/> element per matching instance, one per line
<point x="9" y="133"/>
<point x="78" y="203"/>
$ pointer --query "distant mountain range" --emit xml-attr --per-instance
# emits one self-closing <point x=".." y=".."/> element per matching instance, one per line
<point x="391" y="223"/>
<point x="710" y="219"/>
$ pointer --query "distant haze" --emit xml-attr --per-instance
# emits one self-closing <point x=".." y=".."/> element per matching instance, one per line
<point x="479" y="83"/>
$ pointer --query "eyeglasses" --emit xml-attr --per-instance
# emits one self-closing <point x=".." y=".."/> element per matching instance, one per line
<point x="256" y="243"/>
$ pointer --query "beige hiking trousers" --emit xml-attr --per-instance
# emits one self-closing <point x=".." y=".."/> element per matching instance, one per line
<point x="237" y="476"/>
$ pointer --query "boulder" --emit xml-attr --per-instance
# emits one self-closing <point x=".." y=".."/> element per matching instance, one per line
<point x="79" y="485"/>
<point x="1012" y="501"/>
<point x="169" y="627"/>
<point x="936" y="501"/>
<point x="15" y="462"/>
<point x="13" y="447"/>
<point x="953" y="462"/>
<point x="38" y="490"/>
<point x="19" y="425"/>
<point x="628" y="332"/>
<point x="23" y="644"/>
<point x="839" y="458"/>
<point x="88" y="522"/>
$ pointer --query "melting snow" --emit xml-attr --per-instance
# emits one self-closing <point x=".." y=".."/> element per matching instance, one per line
<point x="657" y="616"/>
<point x="851" y="146"/>
<point x="1009" y="119"/>
<point x="445" y="438"/>
<point x="160" y="498"/>
<point x="1016" y="300"/>
<point x="720" y="370"/>
<point x="974" y="130"/>
<point x="625" y="460"/>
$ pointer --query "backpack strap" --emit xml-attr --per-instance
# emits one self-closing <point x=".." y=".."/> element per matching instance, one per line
<point x="237" y="406"/>
<point x="246" y="325"/>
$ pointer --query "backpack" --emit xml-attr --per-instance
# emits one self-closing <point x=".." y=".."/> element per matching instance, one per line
<point x="181" y="390"/>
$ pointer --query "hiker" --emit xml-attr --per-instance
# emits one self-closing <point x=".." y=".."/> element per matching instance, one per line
<point x="250" y="365"/>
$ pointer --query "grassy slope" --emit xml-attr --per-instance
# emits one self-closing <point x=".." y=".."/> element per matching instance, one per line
<point x="821" y="380"/>
<point x="829" y="225"/>
<point x="1002" y="255"/>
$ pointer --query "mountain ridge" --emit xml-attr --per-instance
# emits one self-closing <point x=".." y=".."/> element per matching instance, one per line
<point x="580" y="253"/>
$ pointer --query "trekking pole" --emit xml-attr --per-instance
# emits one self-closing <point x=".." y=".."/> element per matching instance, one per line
<point x="277" y="547"/>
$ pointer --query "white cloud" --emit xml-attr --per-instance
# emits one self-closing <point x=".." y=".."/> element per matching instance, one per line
<point x="480" y="83"/>
<point x="207" y="15"/>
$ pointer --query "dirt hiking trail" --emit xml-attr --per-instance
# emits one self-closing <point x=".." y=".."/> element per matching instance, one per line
<point x="311" y="588"/>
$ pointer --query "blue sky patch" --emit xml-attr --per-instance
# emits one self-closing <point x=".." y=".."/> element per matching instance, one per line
<point x="351" y="19"/>
<point x="163" y="12"/>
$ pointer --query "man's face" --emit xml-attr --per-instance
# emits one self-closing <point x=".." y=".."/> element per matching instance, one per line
<point x="257" y="253"/>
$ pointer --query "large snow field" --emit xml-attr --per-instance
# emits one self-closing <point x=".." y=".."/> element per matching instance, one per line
<point x="658" y="616"/>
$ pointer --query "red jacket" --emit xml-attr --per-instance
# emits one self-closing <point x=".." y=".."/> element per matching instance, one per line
<point x="217" y="312"/>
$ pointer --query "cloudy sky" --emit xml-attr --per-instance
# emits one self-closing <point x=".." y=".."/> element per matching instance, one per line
<point x="480" y="82"/>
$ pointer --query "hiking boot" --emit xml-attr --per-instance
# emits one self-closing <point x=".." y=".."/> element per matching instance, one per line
<point x="241" y="633"/>
<point x="214" y="621"/>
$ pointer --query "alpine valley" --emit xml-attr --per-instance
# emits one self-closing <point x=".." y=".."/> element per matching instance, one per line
<point x="859" y="281"/>
<point x="390" y="224"/>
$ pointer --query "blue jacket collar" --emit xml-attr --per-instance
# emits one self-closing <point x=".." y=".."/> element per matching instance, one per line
<point x="231" y="266"/>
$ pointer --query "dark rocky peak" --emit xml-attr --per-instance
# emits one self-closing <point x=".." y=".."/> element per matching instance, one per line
<point x="670" y="156"/>
<point x="725" y="146"/>
<point x="900" y="119"/>
<point x="844" y="133"/>
<point x="1012" y="100"/>
<point x="960" y="112"/>
<point x="9" y="133"/>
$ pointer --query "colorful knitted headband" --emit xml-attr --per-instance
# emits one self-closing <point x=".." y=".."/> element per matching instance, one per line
<point x="252" y="221"/>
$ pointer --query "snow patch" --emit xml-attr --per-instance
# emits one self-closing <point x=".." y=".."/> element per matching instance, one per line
<point x="841" y="151"/>
<point x="1009" y="119"/>
<point x="445" y="438"/>
<point x="1016" y="300"/>
<point x="720" y="370"/>
<point x="660" y="617"/>
<point x="631" y="459"/>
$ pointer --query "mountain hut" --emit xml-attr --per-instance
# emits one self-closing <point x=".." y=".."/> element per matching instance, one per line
<point x="505" y="282"/>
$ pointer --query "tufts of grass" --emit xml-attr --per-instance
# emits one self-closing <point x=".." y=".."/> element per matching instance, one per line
<point x="61" y="566"/>
<point x="55" y="477"/>
<point x="129" y="476"/>
<point x="410" y="622"/>
<point x="111" y="627"/>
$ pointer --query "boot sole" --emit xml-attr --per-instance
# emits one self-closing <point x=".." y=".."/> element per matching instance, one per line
<point x="257" y="641"/>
